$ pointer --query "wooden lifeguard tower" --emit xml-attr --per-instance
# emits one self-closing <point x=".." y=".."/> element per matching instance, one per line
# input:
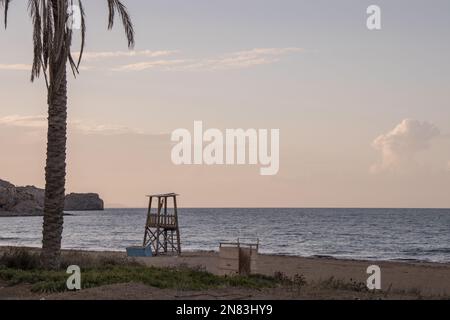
<point x="161" y="230"/>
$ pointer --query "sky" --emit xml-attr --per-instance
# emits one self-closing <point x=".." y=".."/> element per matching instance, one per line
<point x="364" y="116"/>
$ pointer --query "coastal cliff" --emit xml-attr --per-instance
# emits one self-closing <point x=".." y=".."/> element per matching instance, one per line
<point x="29" y="200"/>
<point x="83" y="202"/>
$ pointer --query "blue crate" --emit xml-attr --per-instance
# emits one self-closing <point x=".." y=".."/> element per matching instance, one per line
<point x="139" y="251"/>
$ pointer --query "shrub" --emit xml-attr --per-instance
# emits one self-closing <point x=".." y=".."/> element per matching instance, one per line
<point x="19" y="258"/>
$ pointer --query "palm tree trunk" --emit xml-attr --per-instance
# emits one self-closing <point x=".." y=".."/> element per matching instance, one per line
<point x="55" y="177"/>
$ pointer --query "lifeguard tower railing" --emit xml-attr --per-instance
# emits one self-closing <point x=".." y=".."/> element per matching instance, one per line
<point x="164" y="221"/>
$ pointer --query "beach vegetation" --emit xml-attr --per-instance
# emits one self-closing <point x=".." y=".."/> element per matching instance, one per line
<point x="22" y="266"/>
<point x="340" y="284"/>
<point x="50" y="281"/>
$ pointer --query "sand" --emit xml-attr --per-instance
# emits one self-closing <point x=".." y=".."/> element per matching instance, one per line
<point x="400" y="280"/>
<point x="427" y="278"/>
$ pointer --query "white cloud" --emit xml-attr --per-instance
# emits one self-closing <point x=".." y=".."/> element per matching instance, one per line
<point x="15" y="67"/>
<point x="399" y="146"/>
<point x="243" y="59"/>
<point x="24" y="121"/>
<point x="84" y="127"/>
<point x="27" y="67"/>
<point x="235" y="60"/>
<point x="141" y="66"/>
<point x="89" y="56"/>
<point x="103" y="129"/>
<point x="99" y="55"/>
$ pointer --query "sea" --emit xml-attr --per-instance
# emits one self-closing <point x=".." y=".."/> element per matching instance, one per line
<point x="361" y="234"/>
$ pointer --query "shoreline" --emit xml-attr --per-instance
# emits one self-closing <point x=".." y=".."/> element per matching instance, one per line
<point x="280" y="255"/>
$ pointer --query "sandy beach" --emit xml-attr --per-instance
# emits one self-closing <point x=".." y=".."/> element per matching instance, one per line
<point x="428" y="278"/>
<point x="400" y="280"/>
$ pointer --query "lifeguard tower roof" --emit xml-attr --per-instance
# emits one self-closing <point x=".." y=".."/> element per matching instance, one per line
<point x="162" y="195"/>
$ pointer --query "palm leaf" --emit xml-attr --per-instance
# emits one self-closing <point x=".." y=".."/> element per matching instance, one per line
<point x="5" y="5"/>
<point x="52" y="37"/>
<point x="116" y="5"/>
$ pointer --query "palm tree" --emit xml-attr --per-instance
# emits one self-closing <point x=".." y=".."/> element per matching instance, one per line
<point x="52" y="42"/>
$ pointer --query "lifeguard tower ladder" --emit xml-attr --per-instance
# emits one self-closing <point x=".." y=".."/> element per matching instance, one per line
<point x="161" y="230"/>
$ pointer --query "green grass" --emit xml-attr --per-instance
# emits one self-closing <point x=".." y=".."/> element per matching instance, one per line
<point x="339" y="284"/>
<point x="173" y="278"/>
<point x="22" y="266"/>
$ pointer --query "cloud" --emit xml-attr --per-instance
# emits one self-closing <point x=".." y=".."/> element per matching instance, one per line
<point x="103" y="129"/>
<point x="235" y="60"/>
<point x="99" y="55"/>
<point x="24" y="121"/>
<point x="27" y="67"/>
<point x="399" y="146"/>
<point x="84" y="127"/>
<point x="141" y="66"/>
<point x="243" y="59"/>
<point x="90" y="56"/>
<point x="15" y="67"/>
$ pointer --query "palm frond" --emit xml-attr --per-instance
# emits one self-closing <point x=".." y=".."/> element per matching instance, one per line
<point x="5" y="5"/>
<point x="114" y="5"/>
<point x="47" y="34"/>
<point x="35" y="14"/>
<point x="83" y="32"/>
<point x="52" y="36"/>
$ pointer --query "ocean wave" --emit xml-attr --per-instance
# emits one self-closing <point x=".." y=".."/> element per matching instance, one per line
<point x="421" y="251"/>
<point x="340" y="233"/>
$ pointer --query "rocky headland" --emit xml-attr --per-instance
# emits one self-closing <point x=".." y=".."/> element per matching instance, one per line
<point x="29" y="200"/>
